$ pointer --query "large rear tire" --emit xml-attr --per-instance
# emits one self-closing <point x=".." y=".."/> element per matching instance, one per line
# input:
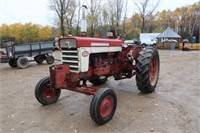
<point x="44" y="94"/>
<point x="147" y="69"/>
<point x="103" y="106"/>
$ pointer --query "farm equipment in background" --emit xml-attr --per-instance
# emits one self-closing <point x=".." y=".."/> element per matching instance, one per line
<point x="19" y="54"/>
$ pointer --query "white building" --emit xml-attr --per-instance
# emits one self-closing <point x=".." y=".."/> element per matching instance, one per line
<point x="149" y="38"/>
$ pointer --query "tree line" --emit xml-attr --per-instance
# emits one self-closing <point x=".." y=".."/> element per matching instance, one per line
<point x="107" y="15"/>
<point x="112" y="14"/>
<point x="26" y="33"/>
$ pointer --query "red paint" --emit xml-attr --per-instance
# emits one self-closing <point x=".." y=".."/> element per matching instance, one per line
<point x="114" y="64"/>
<point x="120" y="68"/>
<point x="86" y="41"/>
<point x="153" y="70"/>
<point x="106" y="106"/>
<point x="102" y="71"/>
<point x="88" y="90"/>
<point x="58" y="75"/>
<point x="72" y="79"/>
<point x="48" y="93"/>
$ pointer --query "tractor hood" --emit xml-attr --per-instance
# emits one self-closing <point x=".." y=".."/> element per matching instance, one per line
<point x="89" y="42"/>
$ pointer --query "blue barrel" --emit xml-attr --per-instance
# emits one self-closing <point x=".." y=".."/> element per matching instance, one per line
<point x="194" y="39"/>
<point x="172" y="45"/>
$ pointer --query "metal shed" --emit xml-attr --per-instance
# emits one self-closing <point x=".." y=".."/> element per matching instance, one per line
<point x="169" y="37"/>
<point x="169" y="33"/>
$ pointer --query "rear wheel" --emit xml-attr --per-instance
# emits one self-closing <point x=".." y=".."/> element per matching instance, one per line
<point x="44" y="94"/>
<point x="147" y="69"/>
<point x="39" y="59"/>
<point x="22" y="62"/>
<point x="13" y="62"/>
<point x="98" y="80"/>
<point x="103" y="106"/>
<point x="50" y="59"/>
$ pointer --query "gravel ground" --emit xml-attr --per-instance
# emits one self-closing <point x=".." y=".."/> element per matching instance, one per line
<point x="173" y="108"/>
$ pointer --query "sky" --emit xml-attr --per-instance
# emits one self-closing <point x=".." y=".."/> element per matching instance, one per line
<point x="38" y="12"/>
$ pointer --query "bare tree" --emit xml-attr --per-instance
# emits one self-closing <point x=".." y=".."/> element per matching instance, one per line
<point x="198" y="18"/>
<point x="70" y="15"/>
<point x="116" y="9"/>
<point x="60" y="7"/>
<point x="79" y="5"/>
<point x="105" y="18"/>
<point x="110" y="13"/>
<point x="94" y="12"/>
<point x="119" y="9"/>
<point x="146" y="9"/>
<point x="194" y="16"/>
<point x="125" y="16"/>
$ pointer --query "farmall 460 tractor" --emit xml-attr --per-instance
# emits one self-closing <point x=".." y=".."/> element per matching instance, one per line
<point x="94" y="60"/>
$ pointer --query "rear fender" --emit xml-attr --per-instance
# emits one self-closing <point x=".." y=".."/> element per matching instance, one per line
<point x="136" y="51"/>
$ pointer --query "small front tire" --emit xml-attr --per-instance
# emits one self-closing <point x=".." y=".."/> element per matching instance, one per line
<point x="44" y="94"/>
<point x="103" y="106"/>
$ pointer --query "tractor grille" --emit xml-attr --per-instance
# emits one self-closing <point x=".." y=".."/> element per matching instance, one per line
<point x="70" y="56"/>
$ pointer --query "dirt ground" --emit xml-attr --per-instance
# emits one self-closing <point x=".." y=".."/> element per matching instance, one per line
<point x="173" y="108"/>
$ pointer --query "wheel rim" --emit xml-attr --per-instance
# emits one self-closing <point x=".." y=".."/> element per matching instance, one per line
<point x="153" y="70"/>
<point x="48" y="93"/>
<point x="50" y="60"/>
<point x="23" y="62"/>
<point x="106" y="106"/>
<point x="39" y="59"/>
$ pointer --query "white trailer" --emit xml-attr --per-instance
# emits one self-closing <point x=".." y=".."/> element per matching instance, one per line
<point x="148" y="38"/>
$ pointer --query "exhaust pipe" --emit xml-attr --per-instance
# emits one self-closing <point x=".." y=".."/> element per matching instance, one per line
<point x="83" y="21"/>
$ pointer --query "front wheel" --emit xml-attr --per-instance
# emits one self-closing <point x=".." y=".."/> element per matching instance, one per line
<point x="147" y="69"/>
<point x="103" y="106"/>
<point x="44" y="94"/>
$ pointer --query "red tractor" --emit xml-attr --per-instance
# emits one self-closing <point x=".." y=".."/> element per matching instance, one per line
<point x="94" y="60"/>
